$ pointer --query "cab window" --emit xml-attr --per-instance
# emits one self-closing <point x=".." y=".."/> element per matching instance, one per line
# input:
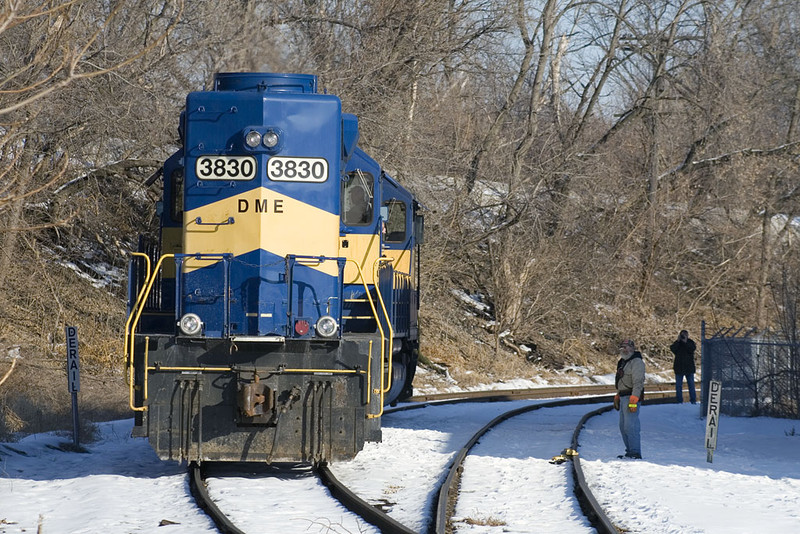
<point x="396" y="222"/>
<point x="357" y="198"/>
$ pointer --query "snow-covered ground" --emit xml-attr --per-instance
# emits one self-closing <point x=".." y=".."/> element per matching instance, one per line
<point x="753" y="484"/>
<point x="427" y="382"/>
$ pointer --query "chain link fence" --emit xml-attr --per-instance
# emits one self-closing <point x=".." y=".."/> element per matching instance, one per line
<point x="759" y="371"/>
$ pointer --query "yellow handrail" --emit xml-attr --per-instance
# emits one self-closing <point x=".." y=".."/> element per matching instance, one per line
<point x="383" y="339"/>
<point x="133" y="321"/>
<point x="369" y="376"/>
<point x="388" y="386"/>
<point x="148" y="289"/>
<point x="136" y="312"/>
<point x="136" y="304"/>
<point x="233" y="369"/>
<point x="129" y="329"/>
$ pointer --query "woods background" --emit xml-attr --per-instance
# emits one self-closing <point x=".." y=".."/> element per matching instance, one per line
<point x="590" y="169"/>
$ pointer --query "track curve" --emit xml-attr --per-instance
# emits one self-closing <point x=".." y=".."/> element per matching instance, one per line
<point x="443" y="502"/>
<point x="589" y="503"/>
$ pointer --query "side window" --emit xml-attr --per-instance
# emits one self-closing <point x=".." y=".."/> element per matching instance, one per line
<point x="357" y="198"/>
<point x="176" y="188"/>
<point x="396" y="222"/>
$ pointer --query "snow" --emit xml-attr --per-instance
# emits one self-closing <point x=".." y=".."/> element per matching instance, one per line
<point x="304" y="505"/>
<point x="753" y="481"/>
<point x="119" y="485"/>
<point x="567" y="376"/>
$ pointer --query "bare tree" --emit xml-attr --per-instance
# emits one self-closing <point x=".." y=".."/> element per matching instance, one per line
<point x="74" y="102"/>
<point x="589" y="166"/>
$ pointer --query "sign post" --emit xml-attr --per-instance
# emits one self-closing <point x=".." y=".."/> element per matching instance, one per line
<point x="73" y="377"/>
<point x="712" y="418"/>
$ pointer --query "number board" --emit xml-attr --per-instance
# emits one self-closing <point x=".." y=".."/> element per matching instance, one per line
<point x="226" y="167"/>
<point x="285" y="169"/>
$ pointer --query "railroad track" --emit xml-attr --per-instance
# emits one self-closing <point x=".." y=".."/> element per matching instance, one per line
<point x="252" y="494"/>
<point x="445" y="500"/>
<point x="197" y="485"/>
<point x="549" y="392"/>
<point x="447" y="495"/>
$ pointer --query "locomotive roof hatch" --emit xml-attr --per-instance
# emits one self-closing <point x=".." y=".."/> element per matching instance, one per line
<point x="265" y="82"/>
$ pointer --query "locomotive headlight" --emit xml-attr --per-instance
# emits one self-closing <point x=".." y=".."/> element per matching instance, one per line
<point x="190" y="324"/>
<point x="270" y="139"/>
<point x="326" y="326"/>
<point x="252" y="139"/>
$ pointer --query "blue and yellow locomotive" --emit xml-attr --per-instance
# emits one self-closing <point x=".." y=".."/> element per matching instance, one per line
<point x="277" y="312"/>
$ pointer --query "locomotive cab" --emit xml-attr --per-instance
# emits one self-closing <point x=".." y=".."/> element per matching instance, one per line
<point x="276" y="314"/>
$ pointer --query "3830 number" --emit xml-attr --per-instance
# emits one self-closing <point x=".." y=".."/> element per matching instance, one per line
<point x="284" y="169"/>
<point x="226" y="167"/>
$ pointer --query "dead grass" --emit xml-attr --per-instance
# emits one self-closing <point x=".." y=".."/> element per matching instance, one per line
<point x="35" y="399"/>
<point x="459" y="345"/>
<point x="34" y="309"/>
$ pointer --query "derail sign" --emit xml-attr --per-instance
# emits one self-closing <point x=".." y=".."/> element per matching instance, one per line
<point x="73" y="370"/>
<point x="712" y="418"/>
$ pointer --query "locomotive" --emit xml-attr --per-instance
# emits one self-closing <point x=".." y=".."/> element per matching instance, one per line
<point x="275" y="315"/>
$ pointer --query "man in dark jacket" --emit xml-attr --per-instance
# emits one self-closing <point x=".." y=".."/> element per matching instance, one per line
<point x="630" y="389"/>
<point x="683" y="349"/>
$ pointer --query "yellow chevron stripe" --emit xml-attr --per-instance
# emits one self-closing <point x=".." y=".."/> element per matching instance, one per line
<point x="402" y="260"/>
<point x="263" y="219"/>
<point x="364" y="249"/>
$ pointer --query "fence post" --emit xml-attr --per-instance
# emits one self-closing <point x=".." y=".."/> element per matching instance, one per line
<point x="705" y="366"/>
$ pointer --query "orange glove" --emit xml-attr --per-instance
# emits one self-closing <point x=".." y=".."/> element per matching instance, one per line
<point x="616" y="402"/>
<point x="633" y="403"/>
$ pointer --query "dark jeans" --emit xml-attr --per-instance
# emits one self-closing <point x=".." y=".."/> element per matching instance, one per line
<point x="679" y="388"/>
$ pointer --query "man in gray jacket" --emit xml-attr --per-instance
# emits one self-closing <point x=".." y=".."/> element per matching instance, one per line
<point x="630" y="388"/>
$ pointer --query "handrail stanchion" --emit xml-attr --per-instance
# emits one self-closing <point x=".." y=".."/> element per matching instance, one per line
<point x="129" y="327"/>
<point x="383" y="340"/>
<point x="375" y="266"/>
<point x="139" y="300"/>
<point x="136" y="314"/>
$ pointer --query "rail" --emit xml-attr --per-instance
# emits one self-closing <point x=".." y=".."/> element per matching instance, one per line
<point x="359" y="506"/>
<point x="445" y="496"/>
<point x="444" y="499"/>
<point x="197" y="486"/>
<point x="541" y="393"/>
<point x="380" y="519"/>
<point x="589" y="504"/>
<point x="591" y="508"/>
